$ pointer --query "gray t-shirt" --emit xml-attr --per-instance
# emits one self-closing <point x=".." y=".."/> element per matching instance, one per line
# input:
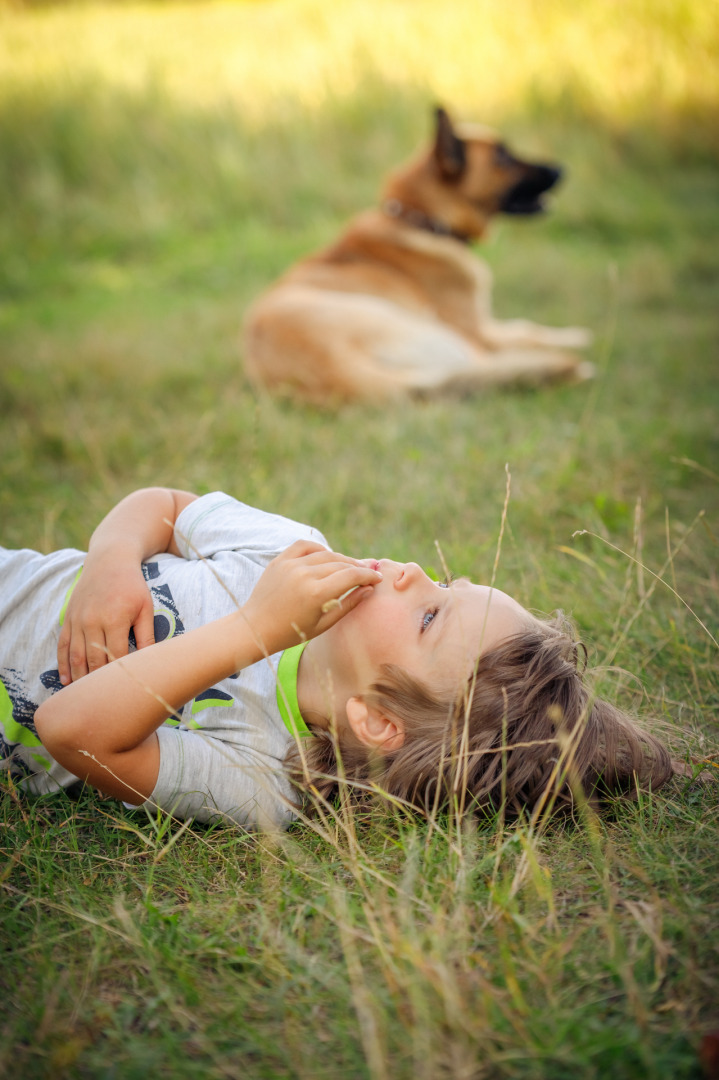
<point x="223" y="759"/>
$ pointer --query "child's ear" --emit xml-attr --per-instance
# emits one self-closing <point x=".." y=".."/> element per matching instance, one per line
<point x="372" y="728"/>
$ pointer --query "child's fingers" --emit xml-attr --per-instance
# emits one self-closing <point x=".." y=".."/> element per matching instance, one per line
<point x="63" y="660"/>
<point x="355" y="584"/>
<point x="77" y="656"/>
<point x="306" y="588"/>
<point x="145" y="625"/>
<point x="325" y="574"/>
<point x="71" y="654"/>
<point x="115" y="643"/>
<point x="336" y="601"/>
<point x="336" y="609"/>
<point x="81" y="651"/>
<point x="316" y="554"/>
<point x="303" y="548"/>
<point x="116" y="633"/>
<point x="338" y="582"/>
<point x="96" y="650"/>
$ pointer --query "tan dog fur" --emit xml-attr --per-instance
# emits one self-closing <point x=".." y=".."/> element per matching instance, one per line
<point x="399" y="304"/>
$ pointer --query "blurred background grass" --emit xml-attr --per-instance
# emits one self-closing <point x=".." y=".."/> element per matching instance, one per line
<point x="159" y="165"/>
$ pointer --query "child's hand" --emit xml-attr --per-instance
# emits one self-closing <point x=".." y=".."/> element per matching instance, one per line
<point x="298" y="596"/>
<point x="109" y="599"/>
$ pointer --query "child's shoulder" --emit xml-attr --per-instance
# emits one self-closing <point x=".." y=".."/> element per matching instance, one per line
<point x="219" y="521"/>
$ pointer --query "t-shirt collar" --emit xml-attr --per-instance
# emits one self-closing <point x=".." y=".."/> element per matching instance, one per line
<point x="287" y="701"/>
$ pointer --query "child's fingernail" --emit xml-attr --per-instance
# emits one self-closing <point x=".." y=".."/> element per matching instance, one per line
<point x="64" y="680"/>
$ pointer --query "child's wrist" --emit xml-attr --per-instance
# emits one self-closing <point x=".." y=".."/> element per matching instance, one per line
<point x="264" y="635"/>
<point x="250" y="644"/>
<point x="119" y="552"/>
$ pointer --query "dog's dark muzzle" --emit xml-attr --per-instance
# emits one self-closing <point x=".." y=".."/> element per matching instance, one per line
<point x="526" y="196"/>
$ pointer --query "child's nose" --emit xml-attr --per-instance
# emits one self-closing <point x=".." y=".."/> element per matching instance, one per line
<point x="408" y="575"/>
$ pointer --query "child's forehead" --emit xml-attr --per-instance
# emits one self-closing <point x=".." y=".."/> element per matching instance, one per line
<point x="489" y="615"/>
<point x="489" y="595"/>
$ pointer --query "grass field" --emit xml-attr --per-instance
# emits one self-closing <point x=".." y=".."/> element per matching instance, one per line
<point x="159" y="164"/>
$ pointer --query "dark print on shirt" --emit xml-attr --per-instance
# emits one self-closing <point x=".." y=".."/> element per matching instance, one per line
<point x="209" y="698"/>
<point x="167" y="618"/>
<point x="51" y="680"/>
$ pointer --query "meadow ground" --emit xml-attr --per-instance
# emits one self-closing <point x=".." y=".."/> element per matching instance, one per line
<point x="161" y="163"/>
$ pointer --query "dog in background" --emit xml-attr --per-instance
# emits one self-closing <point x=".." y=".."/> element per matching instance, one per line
<point x="399" y="304"/>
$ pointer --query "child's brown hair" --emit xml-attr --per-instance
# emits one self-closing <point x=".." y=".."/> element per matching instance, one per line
<point x="526" y="721"/>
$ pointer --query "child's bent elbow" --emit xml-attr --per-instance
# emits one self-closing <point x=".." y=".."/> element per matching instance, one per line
<point x="43" y="721"/>
<point x="53" y="727"/>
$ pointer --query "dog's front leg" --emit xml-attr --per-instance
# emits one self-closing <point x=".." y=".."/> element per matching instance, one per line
<point x="496" y="334"/>
<point x="523" y="334"/>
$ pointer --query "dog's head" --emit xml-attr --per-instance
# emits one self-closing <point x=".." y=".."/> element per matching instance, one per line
<point x="467" y="177"/>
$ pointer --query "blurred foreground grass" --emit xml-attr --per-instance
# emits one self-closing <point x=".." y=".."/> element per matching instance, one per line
<point x="159" y="165"/>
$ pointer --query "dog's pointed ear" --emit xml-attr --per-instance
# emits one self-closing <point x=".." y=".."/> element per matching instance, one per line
<point x="449" y="152"/>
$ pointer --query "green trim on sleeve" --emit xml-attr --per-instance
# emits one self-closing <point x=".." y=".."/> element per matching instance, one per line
<point x="68" y="594"/>
<point x="287" y="701"/>
<point x="14" y="732"/>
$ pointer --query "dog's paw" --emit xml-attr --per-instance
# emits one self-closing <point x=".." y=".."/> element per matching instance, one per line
<point x="584" y="371"/>
<point x="574" y="337"/>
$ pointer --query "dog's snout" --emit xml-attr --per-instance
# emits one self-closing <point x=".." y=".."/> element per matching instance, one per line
<point x="552" y="175"/>
<point x="525" y="196"/>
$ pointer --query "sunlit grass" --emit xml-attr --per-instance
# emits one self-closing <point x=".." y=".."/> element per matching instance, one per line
<point x="618" y="60"/>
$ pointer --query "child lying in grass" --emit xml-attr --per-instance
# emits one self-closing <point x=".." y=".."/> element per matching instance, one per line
<point x="246" y="653"/>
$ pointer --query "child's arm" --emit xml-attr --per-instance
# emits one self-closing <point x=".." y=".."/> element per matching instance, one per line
<point x="113" y="713"/>
<point x="111" y="596"/>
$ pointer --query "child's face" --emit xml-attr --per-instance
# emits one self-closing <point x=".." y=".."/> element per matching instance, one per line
<point x="433" y="632"/>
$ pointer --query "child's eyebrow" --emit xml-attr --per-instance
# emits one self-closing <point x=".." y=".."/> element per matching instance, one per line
<point x="445" y="610"/>
<point x="449" y="607"/>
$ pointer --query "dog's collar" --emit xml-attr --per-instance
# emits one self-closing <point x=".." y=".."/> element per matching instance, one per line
<point x="395" y="209"/>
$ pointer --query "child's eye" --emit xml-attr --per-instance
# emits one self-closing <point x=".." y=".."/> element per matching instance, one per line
<point x="428" y="617"/>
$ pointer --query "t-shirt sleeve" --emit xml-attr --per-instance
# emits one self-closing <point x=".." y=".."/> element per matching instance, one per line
<point x="217" y="522"/>
<point x="207" y="779"/>
<point x="236" y="772"/>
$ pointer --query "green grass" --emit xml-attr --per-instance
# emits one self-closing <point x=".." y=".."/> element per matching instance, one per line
<point x="159" y="165"/>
